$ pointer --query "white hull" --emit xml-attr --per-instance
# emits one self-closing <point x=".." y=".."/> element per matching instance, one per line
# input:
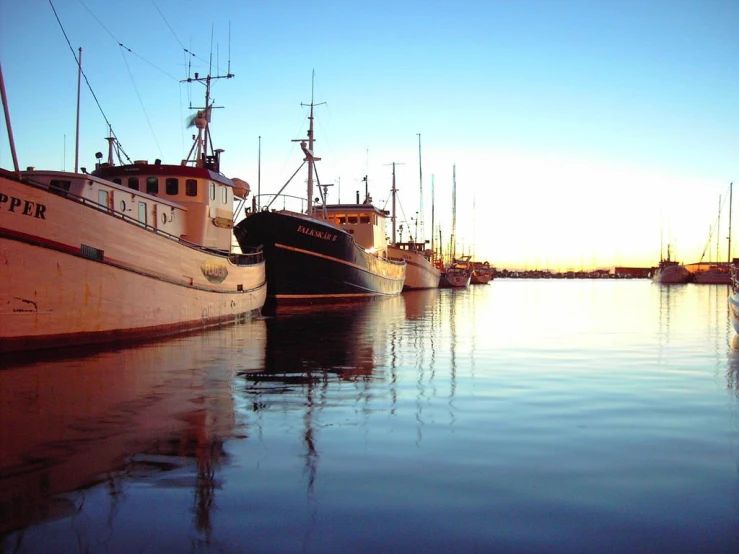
<point x="734" y="311"/>
<point x="420" y="273"/>
<point x="82" y="274"/>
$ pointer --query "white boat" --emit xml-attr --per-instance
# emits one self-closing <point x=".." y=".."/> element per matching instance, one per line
<point x="420" y="271"/>
<point x="734" y="295"/>
<point x="127" y="252"/>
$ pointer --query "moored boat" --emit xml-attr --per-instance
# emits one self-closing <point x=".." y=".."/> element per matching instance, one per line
<point x="716" y="274"/>
<point x="734" y="295"/>
<point x="420" y="270"/>
<point x="671" y="272"/>
<point x="482" y="273"/>
<point x="127" y="252"/>
<point x="331" y="253"/>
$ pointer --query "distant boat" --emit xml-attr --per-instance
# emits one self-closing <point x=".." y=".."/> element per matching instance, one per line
<point x="670" y="272"/>
<point x="717" y="273"/>
<point x="420" y="270"/>
<point x="458" y="273"/>
<point x="94" y="258"/>
<point x="482" y="273"/>
<point x="329" y="253"/>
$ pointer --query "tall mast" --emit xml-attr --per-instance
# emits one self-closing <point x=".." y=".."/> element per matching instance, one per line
<point x="308" y="149"/>
<point x="454" y="213"/>
<point x="7" y="123"/>
<point x="203" y="142"/>
<point x="432" y="213"/>
<point x="77" y="139"/>
<point x="259" y="173"/>
<point x="394" y="216"/>
<point x="731" y="186"/>
<point x="718" y="228"/>
<point x="420" y="188"/>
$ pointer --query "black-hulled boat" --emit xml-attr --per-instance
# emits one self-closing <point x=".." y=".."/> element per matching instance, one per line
<point x="329" y="253"/>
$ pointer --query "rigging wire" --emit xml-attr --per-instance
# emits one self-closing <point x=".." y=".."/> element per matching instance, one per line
<point x="87" y="81"/>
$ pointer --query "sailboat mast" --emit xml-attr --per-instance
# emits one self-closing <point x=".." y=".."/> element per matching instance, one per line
<point x="731" y="187"/>
<point x="420" y="188"/>
<point x="718" y="228"/>
<point x="453" y="246"/>
<point x="432" y="213"/>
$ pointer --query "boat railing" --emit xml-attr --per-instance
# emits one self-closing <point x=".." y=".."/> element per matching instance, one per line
<point x="286" y="202"/>
<point x="254" y="256"/>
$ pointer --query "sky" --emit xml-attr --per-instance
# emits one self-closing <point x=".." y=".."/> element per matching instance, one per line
<point x="580" y="134"/>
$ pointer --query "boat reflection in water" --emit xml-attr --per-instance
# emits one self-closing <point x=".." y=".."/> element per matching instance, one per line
<point x="162" y="409"/>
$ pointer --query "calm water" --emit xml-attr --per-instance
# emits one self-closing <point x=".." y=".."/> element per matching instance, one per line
<point x="521" y="416"/>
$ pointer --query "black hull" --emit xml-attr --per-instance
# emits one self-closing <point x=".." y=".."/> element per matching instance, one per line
<point x="309" y="261"/>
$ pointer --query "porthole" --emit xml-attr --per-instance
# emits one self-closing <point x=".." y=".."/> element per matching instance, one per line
<point x="164" y="219"/>
<point x="123" y="205"/>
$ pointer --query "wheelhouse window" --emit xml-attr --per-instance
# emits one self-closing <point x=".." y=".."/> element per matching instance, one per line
<point x="224" y="195"/>
<point x="152" y="185"/>
<point x="191" y="187"/>
<point x="117" y="181"/>
<point x="352" y="219"/>
<point x="364" y="218"/>
<point x="133" y="183"/>
<point x="142" y="212"/>
<point x="212" y="191"/>
<point x="172" y="186"/>
<point x="60" y="187"/>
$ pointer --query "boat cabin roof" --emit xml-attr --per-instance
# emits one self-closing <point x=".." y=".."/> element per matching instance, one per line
<point x="357" y="208"/>
<point x="143" y="167"/>
<point x="48" y="175"/>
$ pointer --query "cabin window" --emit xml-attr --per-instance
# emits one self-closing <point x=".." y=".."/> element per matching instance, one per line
<point x="164" y="219"/>
<point x="59" y="187"/>
<point x="123" y="205"/>
<point x="152" y="185"/>
<point x="352" y="219"/>
<point x="341" y="219"/>
<point x="191" y="187"/>
<point x="172" y="186"/>
<point x="103" y="198"/>
<point x="133" y="183"/>
<point x="212" y="191"/>
<point x="117" y="181"/>
<point x="224" y="196"/>
<point x="364" y="218"/>
<point x="142" y="212"/>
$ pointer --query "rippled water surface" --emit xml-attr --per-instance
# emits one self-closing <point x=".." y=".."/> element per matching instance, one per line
<point x="518" y="416"/>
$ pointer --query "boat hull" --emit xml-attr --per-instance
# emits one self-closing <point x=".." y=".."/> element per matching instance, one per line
<point x="311" y="261"/>
<point x="455" y="280"/>
<point x="734" y="311"/>
<point x="673" y="275"/>
<point x="81" y="275"/>
<point x="420" y="272"/>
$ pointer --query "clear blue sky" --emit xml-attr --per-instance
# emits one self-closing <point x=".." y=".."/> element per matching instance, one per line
<point x="584" y="133"/>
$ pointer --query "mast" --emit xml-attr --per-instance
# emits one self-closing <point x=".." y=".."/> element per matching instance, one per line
<point x="432" y="213"/>
<point x="420" y="189"/>
<point x="308" y="149"/>
<point x="77" y="138"/>
<point x="203" y="142"/>
<point x="731" y="186"/>
<point x="394" y="191"/>
<point x="718" y="228"/>
<point x="259" y="173"/>
<point x="453" y="247"/>
<point x="7" y="123"/>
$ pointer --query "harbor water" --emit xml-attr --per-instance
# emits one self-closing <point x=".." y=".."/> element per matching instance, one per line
<point x="518" y="416"/>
